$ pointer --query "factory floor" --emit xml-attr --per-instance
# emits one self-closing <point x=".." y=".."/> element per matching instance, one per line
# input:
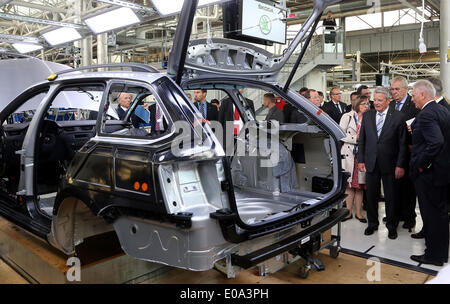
<point x="354" y="265"/>
<point x="378" y="245"/>
<point x="346" y="269"/>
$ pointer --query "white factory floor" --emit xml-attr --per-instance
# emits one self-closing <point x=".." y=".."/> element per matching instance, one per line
<point x="397" y="251"/>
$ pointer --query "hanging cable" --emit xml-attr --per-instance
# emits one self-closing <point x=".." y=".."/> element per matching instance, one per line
<point x="422" y="45"/>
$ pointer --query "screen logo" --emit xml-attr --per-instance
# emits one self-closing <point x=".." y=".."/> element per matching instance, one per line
<point x="265" y="25"/>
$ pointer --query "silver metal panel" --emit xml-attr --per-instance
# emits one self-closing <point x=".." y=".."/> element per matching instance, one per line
<point x="16" y="75"/>
<point x="375" y="44"/>
<point x="365" y="45"/>
<point x="410" y="40"/>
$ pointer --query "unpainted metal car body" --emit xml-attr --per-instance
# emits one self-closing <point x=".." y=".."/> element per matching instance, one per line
<point x="71" y="180"/>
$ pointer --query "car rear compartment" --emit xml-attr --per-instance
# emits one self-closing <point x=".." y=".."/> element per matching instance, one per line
<point x="302" y="178"/>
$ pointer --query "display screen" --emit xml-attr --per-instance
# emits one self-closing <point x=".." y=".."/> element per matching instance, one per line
<point x="263" y="21"/>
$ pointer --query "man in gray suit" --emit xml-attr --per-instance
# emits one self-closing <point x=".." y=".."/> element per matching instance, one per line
<point x="274" y="112"/>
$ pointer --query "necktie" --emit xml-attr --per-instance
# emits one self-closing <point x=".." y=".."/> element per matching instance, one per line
<point x="158" y="117"/>
<point x="380" y="123"/>
<point x="397" y="106"/>
<point x="338" y="108"/>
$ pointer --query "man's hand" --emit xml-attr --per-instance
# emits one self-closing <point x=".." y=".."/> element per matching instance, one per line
<point x="362" y="167"/>
<point x="146" y="106"/>
<point x="399" y="173"/>
<point x="409" y="128"/>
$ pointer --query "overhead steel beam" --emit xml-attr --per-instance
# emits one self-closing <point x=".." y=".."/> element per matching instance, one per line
<point x="4" y="2"/>
<point x="40" y="21"/>
<point x="38" y="6"/>
<point x="130" y="5"/>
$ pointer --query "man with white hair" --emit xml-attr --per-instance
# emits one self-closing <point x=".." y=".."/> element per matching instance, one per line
<point x="382" y="155"/>
<point x="404" y="187"/>
<point x="430" y="171"/>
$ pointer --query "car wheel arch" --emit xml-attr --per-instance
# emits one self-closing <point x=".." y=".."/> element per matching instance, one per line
<point x="73" y="221"/>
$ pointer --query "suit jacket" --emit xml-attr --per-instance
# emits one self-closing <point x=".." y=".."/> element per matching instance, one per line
<point x="445" y="104"/>
<point x="410" y="111"/>
<point x="431" y="144"/>
<point x="275" y="114"/>
<point x="152" y="110"/>
<point x="389" y="151"/>
<point x="121" y="113"/>
<point x="330" y="109"/>
<point x="287" y="112"/>
<point x="135" y="120"/>
<point x="409" y="108"/>
<point x="212" y="114"/>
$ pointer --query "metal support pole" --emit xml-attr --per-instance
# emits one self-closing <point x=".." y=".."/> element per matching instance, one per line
<point x="445" y="46"/>
<point x="102" y="48"/>
<point x="86" y="51"/>
<point x="358" y="66"/>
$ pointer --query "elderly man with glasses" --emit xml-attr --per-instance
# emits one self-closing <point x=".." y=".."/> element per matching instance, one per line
<point x="404" y="187"/>
<point x="335" y="107"/>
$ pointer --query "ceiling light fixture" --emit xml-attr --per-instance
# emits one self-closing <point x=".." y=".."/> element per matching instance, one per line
<point x="24" y="48"/>
<point x="111" y="20"/>
<point x="172" y="7"/>
<point x="61" y="35"/>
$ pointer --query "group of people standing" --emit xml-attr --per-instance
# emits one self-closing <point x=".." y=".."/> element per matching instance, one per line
<point x="397" y="139"/>
<point x="403" y="141"/>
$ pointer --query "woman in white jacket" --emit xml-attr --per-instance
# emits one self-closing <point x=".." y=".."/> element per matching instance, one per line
<point x="351" y="123"/>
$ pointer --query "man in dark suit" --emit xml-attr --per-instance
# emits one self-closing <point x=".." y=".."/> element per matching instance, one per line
<point x="430" y="171"/>
<point x="335" y="108"/>
<point x="443" y="102"/>
<point x="404" y="187"/>
<point x="364" y="90"/>
<point x="381" y="154"/>
<point x="297" y="116"/>
<point x="124" y="100"/>
<point x="439" y="98"/>
<point x="208" y="111"/>
<point x="353" y="98"/>
<point x="322" y="98"/>
<point x="275" y="113"/>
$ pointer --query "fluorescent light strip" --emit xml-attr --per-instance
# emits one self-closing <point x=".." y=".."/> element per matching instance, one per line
<point x="172" y="7"/>
<point x="27" y="47"/>
<point x="21" y="38"/>
<point x="111" y="20"/>
<point x="61" y="35"/>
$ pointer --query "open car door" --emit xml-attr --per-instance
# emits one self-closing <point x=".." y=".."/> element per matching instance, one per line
<point x="226" y="57"/>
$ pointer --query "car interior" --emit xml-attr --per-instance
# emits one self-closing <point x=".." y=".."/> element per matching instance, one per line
<point x="300" y="174"/>
<point x="69" y="123"/>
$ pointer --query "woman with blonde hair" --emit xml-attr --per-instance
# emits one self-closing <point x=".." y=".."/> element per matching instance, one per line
<point x="351" y="124"/>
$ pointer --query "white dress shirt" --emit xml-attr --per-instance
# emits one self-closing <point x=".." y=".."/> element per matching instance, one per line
<point x="384" y="117"/>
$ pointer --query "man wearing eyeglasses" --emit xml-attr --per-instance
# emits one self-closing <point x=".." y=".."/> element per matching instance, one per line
<point x="335" y="108"/>
<point x="405" y="193"/>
